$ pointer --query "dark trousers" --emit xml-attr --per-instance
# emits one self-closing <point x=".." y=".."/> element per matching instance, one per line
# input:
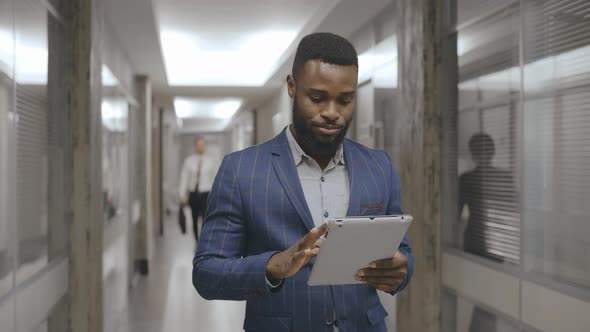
<point x="198" y="204"/>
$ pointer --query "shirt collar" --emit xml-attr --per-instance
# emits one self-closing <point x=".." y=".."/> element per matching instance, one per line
<point x="299" y="154"/>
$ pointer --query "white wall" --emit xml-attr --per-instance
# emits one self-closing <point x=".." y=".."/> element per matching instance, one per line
<point x="241" y="131"/>
<point x="274" y="115"/>
<point x="7" y="228"/>
<point x="171" y="162"/>
<point x="116" y="59"/>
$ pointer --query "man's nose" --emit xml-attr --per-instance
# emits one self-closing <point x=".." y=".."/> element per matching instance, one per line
<point x="331" y="113"/>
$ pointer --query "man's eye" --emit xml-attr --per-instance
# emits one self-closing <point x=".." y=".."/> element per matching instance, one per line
<point x="316" y="99"/>
<point x="345" y="101"/>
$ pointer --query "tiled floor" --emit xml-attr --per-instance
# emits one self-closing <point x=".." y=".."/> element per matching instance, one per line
<point x="166" y="301"/>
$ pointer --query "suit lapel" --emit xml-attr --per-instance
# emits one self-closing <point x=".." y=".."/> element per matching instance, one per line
<point x="284" y="166"/>
<point x="353" y="164"/>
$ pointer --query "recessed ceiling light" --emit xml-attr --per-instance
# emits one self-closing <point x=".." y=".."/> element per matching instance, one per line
<point x="113" y="108"/>
<point x="108" y="79"/>
<point x="218" y="108"/>
<point x="192" y="61"/>
<point x="113" y="113"/>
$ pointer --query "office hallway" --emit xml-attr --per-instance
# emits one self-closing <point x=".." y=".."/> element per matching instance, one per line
<point x="475" y="115"/>
<point x="166" y="299"/>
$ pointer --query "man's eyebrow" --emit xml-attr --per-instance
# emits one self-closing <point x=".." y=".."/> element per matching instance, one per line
<point x="312" y="90"/>
<point x="319" y="91"/>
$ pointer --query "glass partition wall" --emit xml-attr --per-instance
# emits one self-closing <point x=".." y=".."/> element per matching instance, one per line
<point x="7" y="115"/>
<point x="518" y="241"/>
<point x="33" y="226"/>
<point x="32" y="136"/>
<point x="114" y="115"/>
<point x="118" y="166"/>
<point x="36" y="162"/>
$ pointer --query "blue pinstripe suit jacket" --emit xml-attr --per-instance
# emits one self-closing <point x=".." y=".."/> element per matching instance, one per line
<point x="257" y="208"/>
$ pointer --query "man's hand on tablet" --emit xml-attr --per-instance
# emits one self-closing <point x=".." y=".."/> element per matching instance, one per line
<point x="385" y="274"/>
<point x="286" y="263"/>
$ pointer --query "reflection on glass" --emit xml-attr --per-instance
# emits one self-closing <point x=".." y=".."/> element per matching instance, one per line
<point x="489" y="209"/>
<point x="32" y="135"/>
<point x="488" y="193"/>
<point x="541" y="120"/>
<point x="488" y="54"/>
<point x="114" y="115"/>
<point x="463" y="315"/>
<point x="556" y="113"/>
<point x="6" y="117"/>
<point x="557" y="186"/>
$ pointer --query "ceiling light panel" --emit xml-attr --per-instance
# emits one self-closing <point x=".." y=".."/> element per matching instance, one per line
<point x="108" y="78"/>
<point x="191" y="63"/>
<point x="206" y="108"/>
<point x="228" y="43"/>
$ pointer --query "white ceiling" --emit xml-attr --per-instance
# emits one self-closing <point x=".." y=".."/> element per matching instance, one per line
<point x="230" y="42"/>
<point x="222" y="26"/>
<point x="134" y="22"/>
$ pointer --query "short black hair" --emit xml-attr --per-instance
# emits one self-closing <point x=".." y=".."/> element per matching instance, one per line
<point x="482" y="144"/>
<point x="326" y="47"/>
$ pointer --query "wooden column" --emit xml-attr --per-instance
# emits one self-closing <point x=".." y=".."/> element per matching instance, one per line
<point x="145" y="237"/>
<point x="75" y="91"/>
<point x="423" y="86"/>
<point x="86" y="230"/>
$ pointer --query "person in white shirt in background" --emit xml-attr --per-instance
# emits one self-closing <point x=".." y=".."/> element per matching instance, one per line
<point x="196" y="179"/>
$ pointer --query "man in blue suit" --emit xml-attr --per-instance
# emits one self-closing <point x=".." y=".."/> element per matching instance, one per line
<point x="269" y="204"/>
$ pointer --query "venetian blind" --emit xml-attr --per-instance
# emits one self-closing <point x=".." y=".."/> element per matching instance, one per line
<point x="32" y="172"/>
<point x="557" y="132"/>
<point x="489" y="88"/>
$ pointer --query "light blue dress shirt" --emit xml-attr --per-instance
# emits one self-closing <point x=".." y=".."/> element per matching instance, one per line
<point x="327" y="192"/>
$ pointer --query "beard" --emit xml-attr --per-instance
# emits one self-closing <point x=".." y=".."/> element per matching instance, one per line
<point x="311" y="144"/>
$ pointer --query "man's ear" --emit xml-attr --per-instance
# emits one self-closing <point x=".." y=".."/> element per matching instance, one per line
<point x="291" y="86"/>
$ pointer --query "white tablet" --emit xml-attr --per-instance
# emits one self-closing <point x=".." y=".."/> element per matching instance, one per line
<point x="352" y="243"/>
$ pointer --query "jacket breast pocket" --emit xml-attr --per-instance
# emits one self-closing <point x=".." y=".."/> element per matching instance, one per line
<point x="268" y="323"/>
<point x="376" y="314"/>
<point x="372" y="208"/>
